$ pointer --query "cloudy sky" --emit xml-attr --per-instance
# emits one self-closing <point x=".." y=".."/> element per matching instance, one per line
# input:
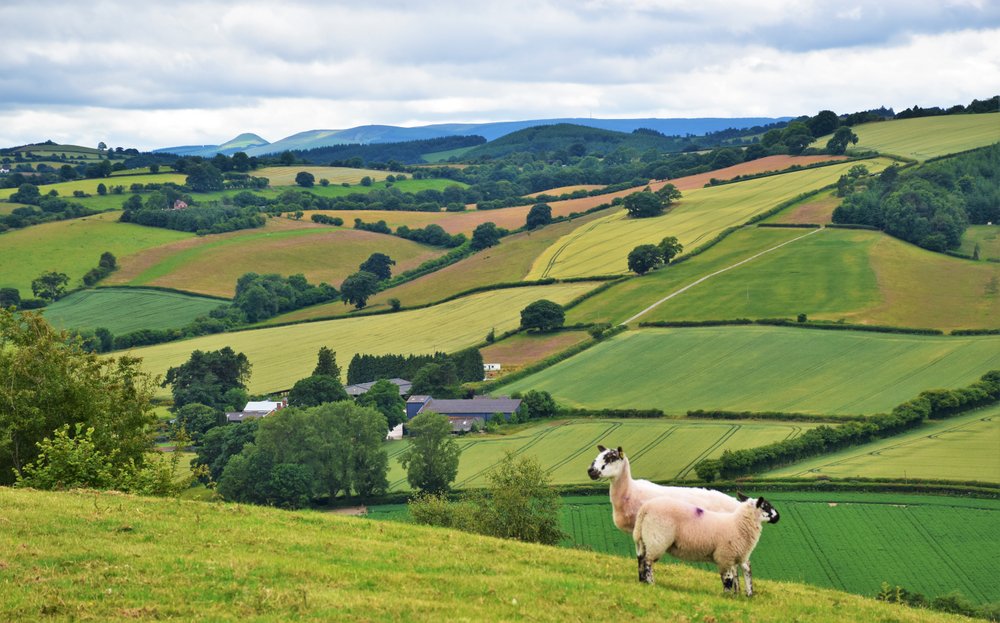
<point x="153" y="74"/>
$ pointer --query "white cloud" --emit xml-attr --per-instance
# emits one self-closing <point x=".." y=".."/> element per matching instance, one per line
<point x="152" y="74"/>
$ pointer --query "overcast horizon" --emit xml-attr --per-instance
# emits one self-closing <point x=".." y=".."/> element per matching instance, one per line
<point x="201" y="72"/>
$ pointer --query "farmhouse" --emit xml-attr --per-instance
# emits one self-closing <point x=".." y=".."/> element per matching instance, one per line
<point x="463" y="413"/>
<point x="362" y="388"/>
<point x="256" y="409"/>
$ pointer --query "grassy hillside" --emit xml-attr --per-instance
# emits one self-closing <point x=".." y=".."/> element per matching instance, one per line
<point x="988" y="239"/>
<point x="960" y="448"/>
<point x="858" y="276"/>
<point x="73" y="247"/>
<point x="123" y="310"/>
<point x="89" y="186"/>
<point x="759" y="368"/>
<point x="603" y="246"/>
<point x="112" y="557"/>
<point x="658" y="449"/>
<point x="285" y="176"/>
<point x="212" y="264"/>
<point x="926" y="137"/>
<point x="282" y="355"/>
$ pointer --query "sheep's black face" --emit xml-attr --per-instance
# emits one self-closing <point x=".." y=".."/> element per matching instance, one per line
<point x="767" y="512"/>
<point x="607" y="464"/>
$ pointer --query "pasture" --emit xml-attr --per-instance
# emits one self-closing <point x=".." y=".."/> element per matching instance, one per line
<point x="506" y="262"/>
<point x="527" y="348"/>
<point x="856" y="276"/>
<point x="760" y="368"/>
<point x="848" y="541"/>
<point x="212" y="264"/>
<point x="113" y="557"/>
<point x="602" y="247"/>
<point x="926" y="137"/>
<point x="658" y="449"/>
<point x="960" y="448"/>
<point x="987" y="237"/>
<point x="89" y="186"/>
<point x="73" y="247"/>
<point x="282" y="355"/>
<point x="285" y="176"/>
<point x="121" y="310"/>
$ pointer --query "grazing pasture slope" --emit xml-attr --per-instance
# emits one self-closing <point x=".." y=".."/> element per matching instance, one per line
<point x="121" y="310"/>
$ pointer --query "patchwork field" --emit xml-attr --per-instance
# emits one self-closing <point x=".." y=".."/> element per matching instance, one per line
<point x="73" y="247"/>
<point x="858" y="276"/>
<point x="657" y="449"/>
<point x="817" y="210"/>
<point x="988" y="239"/>
<point x="65" y="189"/>
<point x="926" y="137"/>
<point x="602" y="247"/>
<point x="285" y="176"/>
<point x="878" y="538"/>
<point x="282" y="355"/>
<point x="507" y="262"/>
<point x="758" y="368"/>
<point x="121" y="310"/>
<point x="959" y="448"/>
<point x="526" y="348"/>
<point x="212" y="264"/>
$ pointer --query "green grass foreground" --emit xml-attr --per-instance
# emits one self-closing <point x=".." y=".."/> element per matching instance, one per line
<point x="111" y="557"/>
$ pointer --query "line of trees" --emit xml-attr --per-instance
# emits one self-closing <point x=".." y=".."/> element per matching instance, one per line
<point x="932" y="404"/>
<point x="364" y="368"/>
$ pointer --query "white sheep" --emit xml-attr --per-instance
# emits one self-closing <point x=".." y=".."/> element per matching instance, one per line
<point x="627" y="495"/>
<point x="689" y="532"/>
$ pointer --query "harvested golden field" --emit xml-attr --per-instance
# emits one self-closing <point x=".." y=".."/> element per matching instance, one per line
<point x="818" y="209"/>
<point x="527" y="348"/>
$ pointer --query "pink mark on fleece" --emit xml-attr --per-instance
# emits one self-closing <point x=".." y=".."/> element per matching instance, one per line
<point x="699" y="512"/>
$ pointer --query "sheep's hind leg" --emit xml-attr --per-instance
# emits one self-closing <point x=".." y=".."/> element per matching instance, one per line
<point x="730" y="580"/>
<point x="645" y="569"/>
<point x="747" y="578"/>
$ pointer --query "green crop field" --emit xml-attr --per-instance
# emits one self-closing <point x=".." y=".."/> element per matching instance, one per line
<point x="110" y="557"/>
<point x="926" y="137"/>
<point x="960" y="448"/>
<point x="89" y="186"/>
<point x="283" y="355"/>
<point x="285" y="176"/>
<point x="657" y="449"/>
<point x="987" y="237"/>
<point x="856" y="276"/>
<point x="601" y="247"/>
<point x="212" y="264"/>
<point x="759" y="368"/>
<point x="121" y="310"/>
<point x="848" y="541"/>
<point x="72" y="247"/>
<point x="507" y="262"/>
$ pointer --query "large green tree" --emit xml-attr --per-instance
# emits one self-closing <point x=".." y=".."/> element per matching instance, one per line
<point x="326" y="363"/>
<point x="50" y="285"/>
<point x="431" y="460"/>
<point x="203" y="178"/>
<point x="644" y="258"/>
<point x="644" y="204"/>
<point x="384" y="397"/>
<point x="316" y="390"/>
<point x="485" y="235"/>
<point x="439" y="380"/>
<point x="48" y="381"/>
<point x="208" y="377"/>
<point x="539" y="216"/>
<point x="378" y="264"/>
<point x="358" y="288"/>
<point x="669" y="248"/>
<point x="843" y="137"/>
<point x="542" y="315"/>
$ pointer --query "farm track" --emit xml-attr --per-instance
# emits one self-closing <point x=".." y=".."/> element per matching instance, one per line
<point x="652" y="444"/>
<point x="945" y="556"/>
<point x="518" y="451"/>
<point x="584" y="447"/>
<point x="709" y="276"/>
<point x="718" y="443"/>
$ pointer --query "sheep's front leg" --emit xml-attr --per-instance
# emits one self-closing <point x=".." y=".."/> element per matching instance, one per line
<point x="645" y="569"/>
<point x="730" y="580"/>
<point x="747" y="578"/>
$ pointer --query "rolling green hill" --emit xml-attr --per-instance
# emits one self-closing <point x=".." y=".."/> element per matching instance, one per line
<point x="926" y="137"/>
<point x="108" y="557"/>
<point x="757" y="368"/>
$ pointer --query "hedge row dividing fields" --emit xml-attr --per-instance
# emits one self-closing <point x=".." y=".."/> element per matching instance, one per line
<point x="658" y="449"/>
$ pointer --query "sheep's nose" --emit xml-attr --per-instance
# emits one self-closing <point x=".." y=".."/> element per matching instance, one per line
<point x="593" y="473"/>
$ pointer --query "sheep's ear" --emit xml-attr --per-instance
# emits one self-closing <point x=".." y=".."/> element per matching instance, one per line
<point x="620" y="453"/>
<point x="741" y="497"/>
<point x="601" y="448"/>
<point x="761" y="502"/>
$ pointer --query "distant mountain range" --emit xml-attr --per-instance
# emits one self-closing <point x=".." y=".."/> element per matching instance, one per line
<point x="254" y="145"/>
